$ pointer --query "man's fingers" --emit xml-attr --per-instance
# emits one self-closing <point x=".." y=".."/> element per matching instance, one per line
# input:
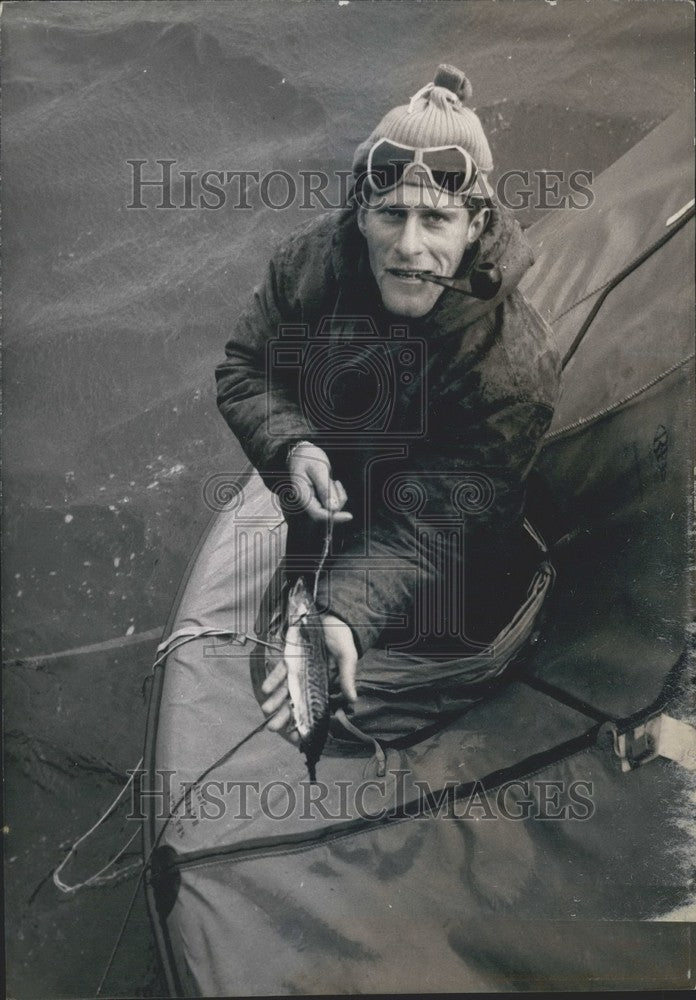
<point x="340" y="517"/>
<point x="341" y="494"/>
<point x="310" y="471"/>
<point x="315" y="510"/>
<point x="281" y="718"/>
<point x="275" y="700"/>
<point x="329" y="493"/>
<point x="320" y="495"/>
<point x="347" y="669"/>
<point x="337" y="495"/>
<point x="276" y="677"/>
<point x="341" y="648"/>
<point x="319" y="513"/>
<point x="318" y="474"/>
<point x="278" y="702"/>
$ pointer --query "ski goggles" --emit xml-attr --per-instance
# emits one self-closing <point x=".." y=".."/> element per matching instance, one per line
<point x="449" y="168"/>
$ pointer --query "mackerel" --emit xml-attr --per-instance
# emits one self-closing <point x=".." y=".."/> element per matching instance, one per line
<point x="306" y="659"/>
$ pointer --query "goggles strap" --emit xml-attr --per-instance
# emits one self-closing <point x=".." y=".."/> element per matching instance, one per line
<point x="418" y="95"/>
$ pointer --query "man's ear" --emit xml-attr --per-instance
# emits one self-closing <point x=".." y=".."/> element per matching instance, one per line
<point x="362" y="215"/>
<point x="477" y="224"/>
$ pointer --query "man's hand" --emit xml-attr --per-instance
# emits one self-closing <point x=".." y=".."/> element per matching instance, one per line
<point x="343" y="661"/>
<point x="310" y="474"/>
<point x="343" y="656"/>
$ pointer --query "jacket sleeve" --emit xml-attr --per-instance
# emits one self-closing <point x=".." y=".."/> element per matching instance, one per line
<point x="261" y="410"/>
<point x="477" y="478"/>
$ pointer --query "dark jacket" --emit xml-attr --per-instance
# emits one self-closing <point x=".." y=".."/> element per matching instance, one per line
<point x="436" y="478"/>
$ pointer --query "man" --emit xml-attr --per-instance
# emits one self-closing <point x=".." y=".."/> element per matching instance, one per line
<point x="425" y="257"/>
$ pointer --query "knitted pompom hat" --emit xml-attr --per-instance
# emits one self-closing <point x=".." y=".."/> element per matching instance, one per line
<point x="436" y="115"/>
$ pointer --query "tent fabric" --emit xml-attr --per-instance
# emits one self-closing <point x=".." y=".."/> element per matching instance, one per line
<point x="621" y="481"/>
<point x="441" y="905"/>
<point x="579" y="252"/>
<point x="550" y="859"/>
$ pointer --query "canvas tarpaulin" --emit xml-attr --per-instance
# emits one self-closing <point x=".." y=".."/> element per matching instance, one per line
<point x="494" y="850"/>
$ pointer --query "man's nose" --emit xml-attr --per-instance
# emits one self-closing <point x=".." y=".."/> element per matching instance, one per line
<point x="409" y="244"/>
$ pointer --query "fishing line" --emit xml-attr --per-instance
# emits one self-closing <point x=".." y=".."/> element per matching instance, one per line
<point x="324" y="554"/>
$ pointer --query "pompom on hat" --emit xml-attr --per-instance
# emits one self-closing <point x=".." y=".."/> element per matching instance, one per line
<point x="437" y="115"/>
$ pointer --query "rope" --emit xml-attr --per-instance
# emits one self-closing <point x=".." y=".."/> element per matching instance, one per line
<point x="378" y="755"/>
<point x="618" y="278"/>
<point x="678" y="217"/>
<point x="178" y="639"/>
<point x="39" y="659"/>
<point x="172" y="643"/>
<point x="98" y="878"/>
<point x="606" y="410"/>
<point x="146" y="863"/>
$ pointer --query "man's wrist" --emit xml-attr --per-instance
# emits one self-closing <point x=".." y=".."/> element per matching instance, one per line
<point x="330" y="618"/>
<point x="292" y="448"/>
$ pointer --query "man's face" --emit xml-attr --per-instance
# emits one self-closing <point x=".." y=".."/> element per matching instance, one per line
<point x="415" y="227"/>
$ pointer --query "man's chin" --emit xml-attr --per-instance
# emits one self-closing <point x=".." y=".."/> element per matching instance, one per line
<point x="412" y="304"/>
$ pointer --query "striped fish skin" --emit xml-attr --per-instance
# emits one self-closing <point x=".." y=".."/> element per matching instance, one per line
<point x="307" y="663"/>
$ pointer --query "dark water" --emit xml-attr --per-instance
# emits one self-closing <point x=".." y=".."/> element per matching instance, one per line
<point x="114" y="319"/>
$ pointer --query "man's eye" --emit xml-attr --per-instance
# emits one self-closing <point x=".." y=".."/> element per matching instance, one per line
<point x="435" y="218"/>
